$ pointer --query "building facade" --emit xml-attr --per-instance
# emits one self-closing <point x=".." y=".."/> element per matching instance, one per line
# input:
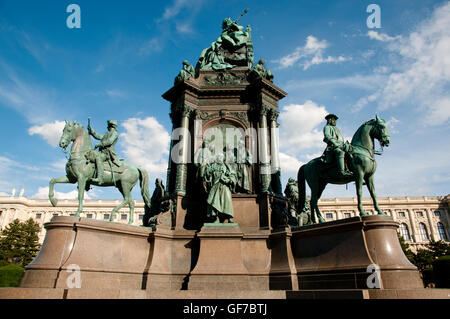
<point x="421" y="218"/>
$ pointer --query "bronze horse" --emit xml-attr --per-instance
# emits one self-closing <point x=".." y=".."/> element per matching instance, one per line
<point x="360" y="161"/>
<point x="80" y="170"/>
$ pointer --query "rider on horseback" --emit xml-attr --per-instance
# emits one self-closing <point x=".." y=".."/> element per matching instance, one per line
<point x="336" y="146"/>
<point x="106" y="150"/>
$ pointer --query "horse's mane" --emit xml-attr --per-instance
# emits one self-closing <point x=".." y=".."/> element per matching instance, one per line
<point x="358" y="131"/>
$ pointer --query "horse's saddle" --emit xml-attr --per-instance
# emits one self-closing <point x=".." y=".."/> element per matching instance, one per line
<point x="110" y="166"/>
<point x="328" y="156"/>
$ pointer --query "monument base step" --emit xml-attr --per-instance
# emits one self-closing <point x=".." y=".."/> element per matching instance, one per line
<point x="85" y="293"/>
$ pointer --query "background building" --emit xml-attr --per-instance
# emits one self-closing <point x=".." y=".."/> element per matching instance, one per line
<point x="421" y="218"/>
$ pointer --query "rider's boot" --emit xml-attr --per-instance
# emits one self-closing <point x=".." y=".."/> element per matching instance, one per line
<point x="341" y="166"/>
<point x="100" y="174"/>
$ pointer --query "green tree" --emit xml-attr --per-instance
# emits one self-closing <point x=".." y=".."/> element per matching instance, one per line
<point x="423" y="259"/>
<point x="405" y="247"/>
<point x="439" y="248"/>
<point x="19" y="242"/>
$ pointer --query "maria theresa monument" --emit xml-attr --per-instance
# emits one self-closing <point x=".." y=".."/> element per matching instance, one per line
<point x="223" y="222"/>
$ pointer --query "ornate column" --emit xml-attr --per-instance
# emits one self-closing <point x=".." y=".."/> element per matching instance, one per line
<point x="414" y="234"/>
<point x="180" y="183"/>
<point x="274" y="152"/>
<point x="433" y="233"/>
<point x="264" y="158"/>
<point x="169" y="186"/>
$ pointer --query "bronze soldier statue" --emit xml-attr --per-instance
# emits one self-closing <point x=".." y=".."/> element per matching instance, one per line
<point x="106" y="152"/>
<point x="335" y="145"/>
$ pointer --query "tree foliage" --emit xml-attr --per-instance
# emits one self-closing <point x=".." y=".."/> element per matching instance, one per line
<point x="19" y="242"/>
<point x="405" y="247"/>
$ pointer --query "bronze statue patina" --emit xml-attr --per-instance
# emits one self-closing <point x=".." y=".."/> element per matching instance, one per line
<point x="186" y="72"/>
<point x="232" y="48"/>
<point x="291" y="193"/>
<point x="360" y="160"/>
<point x="202" y="158"/>
<point x="155" y="208"/>
<point x="303" y="217"/>
<point x="106" y="152"/>
<point x="261" y="71"/>
<point x="223" y="181"/>
<point x="244" y="162"/>
<point x="336" y="146"/>
<point x="80" y="168"/>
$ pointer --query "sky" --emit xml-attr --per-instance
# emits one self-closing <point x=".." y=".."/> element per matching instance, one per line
<point x="322" y="53"/>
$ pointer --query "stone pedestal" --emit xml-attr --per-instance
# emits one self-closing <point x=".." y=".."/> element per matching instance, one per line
<point x="108" y="255"/>
<point x="328" y="260"/>
<point x="173" y="255"/>
<point x="220" y="263"/>
<point x="336" y="255"/>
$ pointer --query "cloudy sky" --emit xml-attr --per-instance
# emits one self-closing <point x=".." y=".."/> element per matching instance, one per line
<point x="127" y="53"/>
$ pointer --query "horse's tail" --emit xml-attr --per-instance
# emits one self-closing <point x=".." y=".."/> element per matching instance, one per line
<point x="301" y="189"/>
<point x="143" y="178"/>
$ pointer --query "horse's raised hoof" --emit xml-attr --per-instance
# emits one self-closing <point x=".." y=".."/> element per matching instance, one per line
<point x="53" y="201"/>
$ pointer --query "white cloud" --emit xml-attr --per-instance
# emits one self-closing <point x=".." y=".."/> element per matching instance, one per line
<point x="289" y="164"/>
<point x="299" y="126"/>
<point x="358" y="81"/>
<point x="383" y="37"/>
<point x="50" y="132"/>
<point x="391" y="124"/>
<point x="173" y="10"/>
<point x="310" y="54"/>
<point x="32" y="100"/>
<point x="42" y="193"/>
<point x="422" y="77"/>
<point x="150" y="46"/>
<point x="146" y="144"/>
<point x="184" y="11"/>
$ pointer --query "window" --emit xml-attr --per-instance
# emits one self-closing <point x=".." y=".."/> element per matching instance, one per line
<point x="72" y="215"/>
<point x="419" y="214"/>
<point x="123" y="216"/>
<point x="38" y="216"/>
<point x="401" y="214"/>
<point x="437" y="213"/>
<point x="347" y="215"/>
<point x="106" y="216"/>
<point x="141" y="216"/>
<point x="89" y="215"/>
<point x="329" y="215"/>
<point x="55" y="215"/>
<point x="404" y="232"/>
<point x="441" y="230"/>
<point x="423" y="232"/>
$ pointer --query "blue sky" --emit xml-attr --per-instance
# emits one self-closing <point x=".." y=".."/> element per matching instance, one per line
<point x="127" y="53"/>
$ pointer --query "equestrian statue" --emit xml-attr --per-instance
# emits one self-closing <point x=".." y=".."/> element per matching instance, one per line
<point x="343" y="162"/>
<point x="87" y="166"/>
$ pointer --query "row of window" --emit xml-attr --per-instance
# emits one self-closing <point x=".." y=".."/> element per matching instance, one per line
<point x="423" y="233"/>
<point x="105" y="216"/>
<point x="399" y="214"/>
